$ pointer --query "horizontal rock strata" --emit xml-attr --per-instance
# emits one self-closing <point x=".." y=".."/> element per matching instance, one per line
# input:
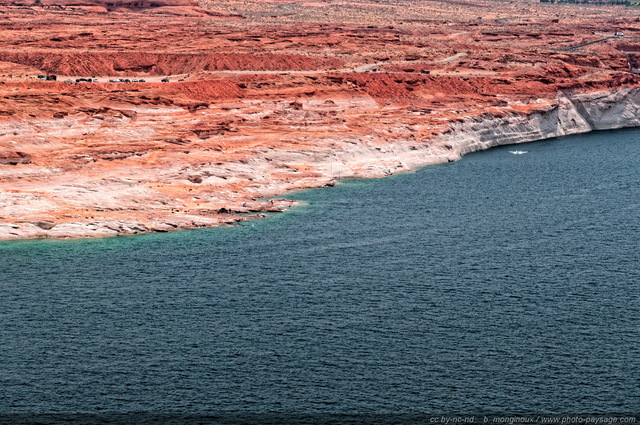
<point x="200" y="112"/>
<point x="569" y="113"/>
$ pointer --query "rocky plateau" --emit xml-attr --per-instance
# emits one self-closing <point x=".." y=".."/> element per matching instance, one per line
<point x="125" y="117"/>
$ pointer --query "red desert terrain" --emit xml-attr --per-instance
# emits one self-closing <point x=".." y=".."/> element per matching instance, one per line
<point x="127" y="116"/>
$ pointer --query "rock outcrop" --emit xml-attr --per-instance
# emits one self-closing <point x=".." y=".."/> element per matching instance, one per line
<point x="195" y="115"/>
<point x="573" y="113"/>
<point x="14" y="158"/>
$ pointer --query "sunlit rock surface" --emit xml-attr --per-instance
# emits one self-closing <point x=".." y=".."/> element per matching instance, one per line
<point x="267" y="97"/>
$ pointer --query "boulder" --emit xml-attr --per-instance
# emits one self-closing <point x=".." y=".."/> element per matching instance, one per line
<point x="14" y="158"/>
<point x="44" y="224"/>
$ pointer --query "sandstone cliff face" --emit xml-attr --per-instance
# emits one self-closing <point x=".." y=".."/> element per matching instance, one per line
<point x="195" y="115"/>
<point x="272" y="171"/>
<point x="572" y="114"/>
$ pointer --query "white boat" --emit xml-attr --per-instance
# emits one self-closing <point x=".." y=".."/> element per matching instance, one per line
<point x="518" y="152"/>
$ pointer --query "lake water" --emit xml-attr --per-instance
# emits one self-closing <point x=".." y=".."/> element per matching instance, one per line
<point x="499" y="283"/>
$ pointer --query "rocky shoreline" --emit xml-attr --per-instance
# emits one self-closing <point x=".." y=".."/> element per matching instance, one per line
<point x="571" y="112"/>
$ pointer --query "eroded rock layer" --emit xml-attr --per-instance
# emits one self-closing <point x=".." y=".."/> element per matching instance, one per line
<point x="200" y="111"/>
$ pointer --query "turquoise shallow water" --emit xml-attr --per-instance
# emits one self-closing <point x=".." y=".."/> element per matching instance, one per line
<point x="499" y="283"/>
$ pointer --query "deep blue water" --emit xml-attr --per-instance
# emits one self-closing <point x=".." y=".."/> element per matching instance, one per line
<point x="499" y="283"/>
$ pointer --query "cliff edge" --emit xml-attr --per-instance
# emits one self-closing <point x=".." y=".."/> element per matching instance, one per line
<point x="123" y="117"/>
<point x="570" y="113"/>
<point x="573" y="113"/>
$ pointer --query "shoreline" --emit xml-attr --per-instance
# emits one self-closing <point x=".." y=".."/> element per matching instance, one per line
<point x="570" y="113"/>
